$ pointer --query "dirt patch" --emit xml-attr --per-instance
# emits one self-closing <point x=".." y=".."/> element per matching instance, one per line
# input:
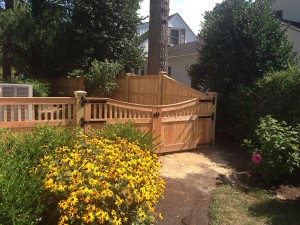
<point x="191" y="177"/>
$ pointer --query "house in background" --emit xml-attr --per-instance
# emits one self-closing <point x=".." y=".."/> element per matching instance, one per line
<point x="182" y="48"/>
<point x="180" y="58"/>
<point x="288" y="12"/>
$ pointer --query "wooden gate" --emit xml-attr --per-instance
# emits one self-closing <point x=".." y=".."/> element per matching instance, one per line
<point x="180" y="126"/>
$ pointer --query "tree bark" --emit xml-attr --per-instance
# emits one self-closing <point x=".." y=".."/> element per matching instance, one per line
<point x="158" y="36"/>
<point x="7" y="45"/>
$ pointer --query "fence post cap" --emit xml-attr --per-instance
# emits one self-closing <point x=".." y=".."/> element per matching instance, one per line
<point x="163" y="73"/>
<point x="212" y="94"/>
<point x="80" y="93"/>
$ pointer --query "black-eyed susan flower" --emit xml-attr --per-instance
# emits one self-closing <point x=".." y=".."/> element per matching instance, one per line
<point x="103" y="181"/>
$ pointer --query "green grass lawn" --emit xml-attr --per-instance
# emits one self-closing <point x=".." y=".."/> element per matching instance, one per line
<point x="233" y="205"/>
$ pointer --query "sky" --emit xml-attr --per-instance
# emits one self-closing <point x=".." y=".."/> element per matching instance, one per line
<point x="191" y="11"/>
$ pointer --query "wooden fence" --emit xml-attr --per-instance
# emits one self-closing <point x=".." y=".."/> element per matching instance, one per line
<point x="23" y="113"/>
<point x="65" y="87"/>
<point x="179" y="126"/>
<point x="153" y="90"/>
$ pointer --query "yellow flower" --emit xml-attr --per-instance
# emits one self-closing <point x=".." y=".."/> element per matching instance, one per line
<point x="160" y="216"/>
<point x="90" y="208"/>
<point x="73" y="200"/>
<point x="99" y="172"/>
<point x="88" y="217"/>
<point x="63" y="218"/>
<point x="72" y="212"/>
<point x="86" y="199"/>
<point x="61" y="187"/>
<point x="93" y="182"/>
<point x="63" y="204"/>
<point x="118" y="201"/>
<point x="117" y="221"/>
<point x="142" y="214"/>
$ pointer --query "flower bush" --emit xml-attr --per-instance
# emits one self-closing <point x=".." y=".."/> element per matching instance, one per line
<point x="103" y="181"/>
<point x="276" y="151"/>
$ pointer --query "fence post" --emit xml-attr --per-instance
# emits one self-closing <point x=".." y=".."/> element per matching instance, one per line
<point x="214" y="111"/>
<point x="127" y="87"/>
<point x="160" y="87"/>
<point x="79" y="108"/>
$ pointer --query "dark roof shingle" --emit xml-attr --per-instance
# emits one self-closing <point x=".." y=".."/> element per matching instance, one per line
<point x="190" y="48"/>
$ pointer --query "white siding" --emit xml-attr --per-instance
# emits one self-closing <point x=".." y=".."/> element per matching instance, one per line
<point x="145" y="46"/>
<point x="175" y="22"/>
<point x="178" y="67"/>
<point x="291" y="9"/>
<point x="294" y="37"/>
<point x="143" y="28"/>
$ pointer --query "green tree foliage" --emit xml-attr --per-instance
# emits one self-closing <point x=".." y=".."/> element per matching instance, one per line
<point x="242" y="41"/>
<point x="106" y="30"/>
<point x="34" y="27"/>
<point x="52" y="38"/>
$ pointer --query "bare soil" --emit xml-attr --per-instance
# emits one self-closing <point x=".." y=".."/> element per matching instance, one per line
<point x="191" y="177"/>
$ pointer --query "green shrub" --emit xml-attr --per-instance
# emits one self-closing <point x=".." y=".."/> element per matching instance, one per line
<point x="278" y="145"/>
<point x="40" y="88"/>
<point x="100" y="81"/>
<point x="101" y="181"/>
<point x="276" y="94"/>
<point x="22" y="196"/>
<point x="146" y="140"/>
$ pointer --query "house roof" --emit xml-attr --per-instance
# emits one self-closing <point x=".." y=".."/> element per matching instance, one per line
<point x="292" y="25"/>
<point x="170" y="17"/>
<point x="190" y="48"/>
<point x="146" y="24"/>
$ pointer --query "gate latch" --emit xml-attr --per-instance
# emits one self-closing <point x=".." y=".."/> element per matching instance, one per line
<point x="156" y="115"/>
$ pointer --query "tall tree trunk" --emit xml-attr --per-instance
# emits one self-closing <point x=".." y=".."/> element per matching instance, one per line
<point x="6" y="54"/>
<point x="158" y="36"/>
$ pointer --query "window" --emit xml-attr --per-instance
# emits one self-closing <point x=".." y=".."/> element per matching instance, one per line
<point x="177" y="36"/>
<point x="174" y="39"/>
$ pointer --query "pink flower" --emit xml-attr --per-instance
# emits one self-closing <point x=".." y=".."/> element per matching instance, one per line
<point x="256" y="158"/>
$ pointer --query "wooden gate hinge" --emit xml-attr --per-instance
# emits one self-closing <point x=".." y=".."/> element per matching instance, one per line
<point x="212" y="116"/>
<point x="213" y="100"/>
<point x="85" y="100"/>
<point x="84" y="122"/>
